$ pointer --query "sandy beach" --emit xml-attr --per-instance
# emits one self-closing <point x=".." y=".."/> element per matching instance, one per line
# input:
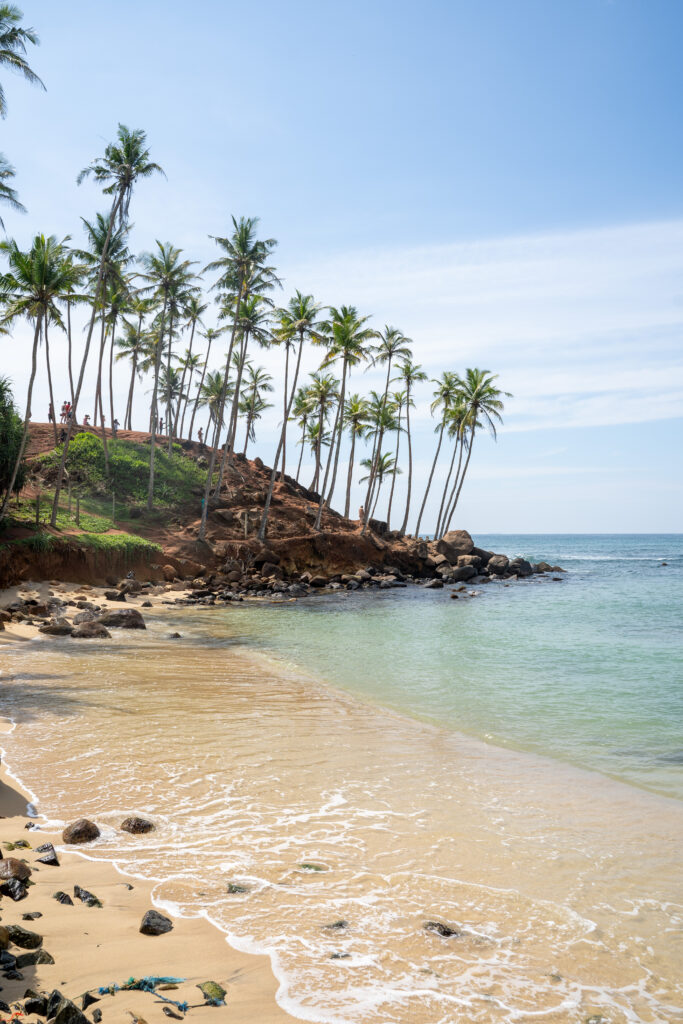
<point x="101" y="946"/>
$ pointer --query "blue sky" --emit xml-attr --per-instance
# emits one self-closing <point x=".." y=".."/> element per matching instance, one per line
<point x="502" y="180"/>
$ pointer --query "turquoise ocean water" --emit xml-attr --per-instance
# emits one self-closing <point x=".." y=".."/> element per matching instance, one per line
<point x="588" y="670"/>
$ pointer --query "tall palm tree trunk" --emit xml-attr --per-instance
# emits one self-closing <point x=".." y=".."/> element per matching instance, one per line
<point x="129" y="404"/>
<point x="377" y="451"/>
<point x="224" y="391"/>
<point x="447" y="513"/>
<point x="395" y="473"/>
<point x="182" y="385"/>
<point x="462" y="481"/>
<point x="340" y="433"/>
<point x="303" y="445"/>
<point x="445" y="490"/>
<point x="284" y="413"/>
<point x="431" y="475"/>
<point x="49" y="379"/>
<point x="68" y="339"/>
<point x="236" y="398"/>
<point x="281" y="444"/>
<point x="199" y="391"/>
<point x="154" y="407"/>
<point x="116" y="205"/>
<point x="349" y="475"/>
<point x="410" y="465"/>
<point x="169" y="398"/>
<point x="27" y="419"/>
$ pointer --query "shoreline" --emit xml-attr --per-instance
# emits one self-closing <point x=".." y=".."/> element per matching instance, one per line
<point x="19" y="633"/>
<point x="112" y="949"/>
<point x="496" y="763"/>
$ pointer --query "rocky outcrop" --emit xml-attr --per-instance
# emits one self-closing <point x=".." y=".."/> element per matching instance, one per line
<point x="455" y="543"/>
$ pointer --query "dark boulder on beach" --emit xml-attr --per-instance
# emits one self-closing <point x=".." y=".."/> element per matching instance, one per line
<point x="33" y="959"/>
<point x="15" y="889"/>
<point x="23" y="938"/>
<point x="81" y="831"/>
<point x="124" y="618"/>
<point x="85" y="616"/>
<point x="62" y="1011"/>
<point x="63" y="897"/>
<point x="455" y="543"/>
<point x="48" y="855"/>
<point x="498" y="564"/>
<point x="434" y="585"/>
<point x="137" y="826"/>
<point x="91" y="631"/>
<point x="115" y="595"/>
<point x="86" y="897"/>
<point x="10" y="867"/>
<point x="154" y="923"/>
<point x="62" y="628"/>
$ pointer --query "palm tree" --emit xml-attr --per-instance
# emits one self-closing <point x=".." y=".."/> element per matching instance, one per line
<point x="190" y="363"/>
<point x="211" y="393"/>
<point x="323" y="392"/>
<point x="411" y="374"/>
<point x="253" y="402"/>
<point x="106" y="248"/>
<point x="383" y="467"/>
<point x="170" y="386"/>
<point x="131" y="346"/>
<point x="393" y="345"/>
<point x="124" y="163"/>
<point x="447" y="390"/>
<point x="397" y="405"/>
<point x="244" y="257"/>
<point x="456" y="418"/>
<point x="8" y="195"/>
<point x="194" y="311"/>
<point x="210" y="335"/>
<point x="35" y="281"/>
<point x="483" y="402"/>
<point x="298" y="319"/>
<point x="347" y="338"/>
<point x="136" y="346"/>
<point x="300" y="412"/>
<point x="356" y="421"/>
<point x="13" y="40"/>
<point x="167" y="275"/>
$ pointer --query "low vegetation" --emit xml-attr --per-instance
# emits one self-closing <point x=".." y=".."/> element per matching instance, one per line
<point x="179" y="480"/>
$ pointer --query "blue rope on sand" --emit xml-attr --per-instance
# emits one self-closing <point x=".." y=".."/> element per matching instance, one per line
<point x="148" y="984"/>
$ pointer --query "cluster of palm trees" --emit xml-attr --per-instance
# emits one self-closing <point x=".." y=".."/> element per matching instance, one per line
<point x="150" y="310"/>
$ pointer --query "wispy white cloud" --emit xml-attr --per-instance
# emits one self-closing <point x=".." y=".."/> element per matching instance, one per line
<point x="584" y="327"/>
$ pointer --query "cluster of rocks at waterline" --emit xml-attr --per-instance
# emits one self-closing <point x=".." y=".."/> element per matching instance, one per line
<point x="87" y="621"/>
<point x="455" y="559"/>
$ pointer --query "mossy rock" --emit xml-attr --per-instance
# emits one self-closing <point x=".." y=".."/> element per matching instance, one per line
<point x="308" y="866"/>
<point x="212" y="992"/>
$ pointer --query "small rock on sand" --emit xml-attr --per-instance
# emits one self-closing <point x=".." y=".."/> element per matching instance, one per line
<point x="137" y="826"/>
<point x="81" y="831"/>
<point x="154" y="923"/>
